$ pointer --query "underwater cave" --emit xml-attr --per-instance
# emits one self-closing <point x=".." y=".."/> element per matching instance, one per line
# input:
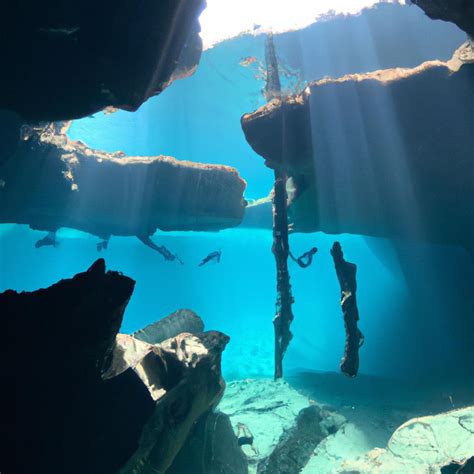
<point x="237" y="237"/>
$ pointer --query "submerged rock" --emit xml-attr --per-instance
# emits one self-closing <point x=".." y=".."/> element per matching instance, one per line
<point x="78" y="397"/>
<point x="211" y="448"/>
<point x="53" y="182"/>
<point x="422" y="445"/>
<point x="65" y="60"/>
<point x="183" y="320"/>
<point x="459" y="12"/>
<point x="269" y="410"/>
<point x="381" y="154"/>
<point x="296" y="445"/>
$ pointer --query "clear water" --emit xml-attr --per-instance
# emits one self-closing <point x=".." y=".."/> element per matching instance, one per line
<point x="413" y="297"/>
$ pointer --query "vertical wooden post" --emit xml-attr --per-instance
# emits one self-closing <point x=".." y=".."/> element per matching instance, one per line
<point x="280" y="248"/>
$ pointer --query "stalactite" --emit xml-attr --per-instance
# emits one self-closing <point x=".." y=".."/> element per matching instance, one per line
<point x="346" y="274"/>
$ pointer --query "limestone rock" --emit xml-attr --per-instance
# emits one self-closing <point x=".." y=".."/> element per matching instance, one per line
<point x="79" y="397"/>
<point x="53" y="182"/>
<point x="65" y="60"/>
<point x="211" y="448"/>
<point x="364" y="148"/>
<point x="297" y="444"/>
<point x="422" y="445"/>
<point x="182" y="320"/>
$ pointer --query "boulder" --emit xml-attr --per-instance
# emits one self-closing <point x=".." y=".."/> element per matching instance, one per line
<point x="422" y="445"/>
<point x="79" y="397"/>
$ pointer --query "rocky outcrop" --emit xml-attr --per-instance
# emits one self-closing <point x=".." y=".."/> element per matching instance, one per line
<point x="52" y="182"/>
<point x="211" y="448"/>
<point x="460" y="12"/>
<point x="64" y="60"/>
<point x="380" y="154"/>
<point x="183" y="377"/>
<point x="423" y="445"/>
<point x="183" y="320"/>
<point x="79" y="397"/>
<point x="271" y="413"/>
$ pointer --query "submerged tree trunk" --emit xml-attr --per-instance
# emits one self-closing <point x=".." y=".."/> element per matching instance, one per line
<point x="346" y="274"/>
<point x="284" y="314"/>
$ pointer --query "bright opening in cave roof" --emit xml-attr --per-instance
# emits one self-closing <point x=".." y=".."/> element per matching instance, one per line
<point x="225" y="19"/>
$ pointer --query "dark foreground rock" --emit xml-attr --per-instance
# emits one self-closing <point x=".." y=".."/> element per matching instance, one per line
<point x="212" y="448"/>
<point x="296" y="446"/>
<point x="383" y="154"/>
<point x="459" y="12"/>
<point x="52" y="182"/>
<point x="78" y="397"/>
<point x="63" y="60"/>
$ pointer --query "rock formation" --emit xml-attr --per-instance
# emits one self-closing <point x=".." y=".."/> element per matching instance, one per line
<point x="79" y="397"/>
<point x="64" y="61"/>
<point x="52" y="182"/>
<point x="383" y="154"/>
<point x="183" y="320"/>
<point x="460" y="12"/>
<point x="297" y="444"/>
<point x="423" y="445"/>
<point x="211" y="448"/>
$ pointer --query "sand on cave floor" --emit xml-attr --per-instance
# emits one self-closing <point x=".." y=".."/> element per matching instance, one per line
<point x="373" y="407"/>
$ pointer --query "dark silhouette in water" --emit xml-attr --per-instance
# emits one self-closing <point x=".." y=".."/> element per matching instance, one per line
<point x="49" y="240"/>
<point x="215" y="256"/>
<point x="171" y="257"/>
<point x="103" y="244"/>
<point x="346" y="275"/>
<point x="245" y="437"/>
<point x="306" y="259"/>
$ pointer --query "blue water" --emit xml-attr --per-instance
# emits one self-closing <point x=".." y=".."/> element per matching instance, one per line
<point x="411" y="296"/>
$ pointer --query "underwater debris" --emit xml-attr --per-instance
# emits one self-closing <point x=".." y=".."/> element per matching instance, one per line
<point x="346" y="275"/>
<point x="212" y="257"/>
<point x="306" y="259"/>
<point x="182" y="320"/>
<point x="296" y="445"/>
<point x="280" y="247"/>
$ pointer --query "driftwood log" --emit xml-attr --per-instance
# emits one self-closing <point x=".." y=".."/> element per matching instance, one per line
<point x="346" y="274"/>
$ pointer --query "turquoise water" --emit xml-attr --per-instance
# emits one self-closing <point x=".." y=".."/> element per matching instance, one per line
<point x="410" y="295"/>
<point x="411" y="315"/>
